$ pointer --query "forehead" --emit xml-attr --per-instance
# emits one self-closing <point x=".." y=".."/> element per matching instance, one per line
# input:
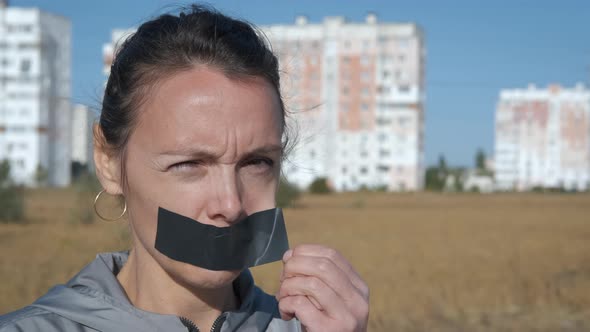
<point x="203" y="106"/>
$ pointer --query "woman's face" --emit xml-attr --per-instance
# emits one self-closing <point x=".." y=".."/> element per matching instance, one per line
<point x="206" y="147"/>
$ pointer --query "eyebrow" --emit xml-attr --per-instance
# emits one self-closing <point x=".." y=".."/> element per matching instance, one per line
<point x="201" y="153"/>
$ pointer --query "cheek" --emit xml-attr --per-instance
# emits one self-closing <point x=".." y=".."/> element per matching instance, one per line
<point x="259" y="193"/>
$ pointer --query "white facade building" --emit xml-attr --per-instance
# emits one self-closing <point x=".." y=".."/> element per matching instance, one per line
<point x="82" y="136"/>
<point x="35" y="58"/>
<point x="543" y="138"/>
<point x="356" y="94"/>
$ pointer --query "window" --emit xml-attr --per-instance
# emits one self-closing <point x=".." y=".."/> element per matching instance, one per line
<point x="404" y="88"/>
<point x="403" y="42"/>
<point x="25" y="66"/>
<point x="383" y="168"/>
<point x="383" y="89"/>
<point x="364" y="107"/>
<point x="364" y="60"/>
<point x="17" y="129"/>
<point x="363" y="170"/>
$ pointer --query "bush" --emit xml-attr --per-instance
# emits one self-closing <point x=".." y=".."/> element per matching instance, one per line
<point x="287" y="194"/>
<point x="86" y="187"/>
<point x="12" y="200"/>
<point x="320" y="186"/>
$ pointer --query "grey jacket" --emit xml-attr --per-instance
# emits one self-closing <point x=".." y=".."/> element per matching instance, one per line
<point x="95" y="301"/>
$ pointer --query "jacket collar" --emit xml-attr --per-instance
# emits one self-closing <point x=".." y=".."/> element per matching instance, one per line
<point x="96" y="289"/>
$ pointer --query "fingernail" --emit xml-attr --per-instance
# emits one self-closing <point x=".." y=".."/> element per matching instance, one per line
<point x="287" y="255"/>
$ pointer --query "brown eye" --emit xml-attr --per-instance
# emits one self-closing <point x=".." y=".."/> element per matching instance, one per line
<point x="260" y="163"/>
<point x="185" y="165"/>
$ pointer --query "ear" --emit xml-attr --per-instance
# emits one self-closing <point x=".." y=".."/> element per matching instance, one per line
<point x="108" y="165"/>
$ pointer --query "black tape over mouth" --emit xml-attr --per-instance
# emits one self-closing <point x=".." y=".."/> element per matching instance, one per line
<point x="258" y="239"/>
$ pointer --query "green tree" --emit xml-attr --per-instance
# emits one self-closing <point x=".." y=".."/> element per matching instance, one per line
<point x="433" y="179"/>
<point x="287" y="194"/>
<point x="87" y="187"/>
<point x="320" y="186"/>
<point x="436" y="176"/>
<point x="480" y="160"/>
<point x="442" y="164"/>
<point x="11" y="196"/>
<point x="41" y="176"/>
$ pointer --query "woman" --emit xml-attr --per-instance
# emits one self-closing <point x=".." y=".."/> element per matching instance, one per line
<point x="193" y="121"/>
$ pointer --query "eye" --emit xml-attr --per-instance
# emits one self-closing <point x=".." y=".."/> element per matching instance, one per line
<point x="260" y="162"/>
<point x="186" y="165"/>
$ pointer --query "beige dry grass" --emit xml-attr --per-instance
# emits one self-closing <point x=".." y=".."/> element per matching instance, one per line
<point x="505" y="262"/>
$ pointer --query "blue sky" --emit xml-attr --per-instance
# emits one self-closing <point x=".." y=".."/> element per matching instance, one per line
<point x="474" y="49"/>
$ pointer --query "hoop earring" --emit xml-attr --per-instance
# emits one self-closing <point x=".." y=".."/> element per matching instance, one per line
<point x="103" y="218"/>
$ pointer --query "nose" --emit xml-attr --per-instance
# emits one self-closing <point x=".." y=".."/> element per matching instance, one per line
<point x="225" y="204"/>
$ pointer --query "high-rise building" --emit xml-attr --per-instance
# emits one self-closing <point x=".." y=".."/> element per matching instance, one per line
<point x="356" y="94"/>
<point x="82" y="136"/>
<point x="543" y="138"/>
<point x="35" y="58"/>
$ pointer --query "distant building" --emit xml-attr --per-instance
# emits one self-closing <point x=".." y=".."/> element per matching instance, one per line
<point x="543" y="138"/>
<point x="82" y="136"/>
<point x="35" y="90"/>
<point x="118" y="36"/>
<point x="356" y="91"/>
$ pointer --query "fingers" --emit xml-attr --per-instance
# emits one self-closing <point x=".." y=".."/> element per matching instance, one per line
<point x="313" y="319"/>
<point x="319" y="294"/>
<point x="321" y="289"/>
<point x="302" y="308"/>
<point x="324" y="270"/>
<point x="314" y="250"/>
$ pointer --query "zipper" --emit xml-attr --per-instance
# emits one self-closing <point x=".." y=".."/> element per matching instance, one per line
<point x="189" y="324"/>
<point x="216" y="327"/>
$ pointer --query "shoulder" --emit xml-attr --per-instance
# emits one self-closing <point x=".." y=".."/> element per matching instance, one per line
<point x="31" y="318"/>
<point x="267" y="303"/>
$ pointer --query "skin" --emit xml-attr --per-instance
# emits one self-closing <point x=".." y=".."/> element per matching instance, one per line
<point x="209" y="147"/>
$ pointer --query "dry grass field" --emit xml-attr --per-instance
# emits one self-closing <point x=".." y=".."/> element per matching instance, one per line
<point x="505" y="262"/>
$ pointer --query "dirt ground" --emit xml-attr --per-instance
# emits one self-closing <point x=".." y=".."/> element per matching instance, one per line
<point x="434" y="262"/>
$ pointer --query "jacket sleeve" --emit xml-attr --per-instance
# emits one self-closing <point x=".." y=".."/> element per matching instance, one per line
<point x="32" y="319"/>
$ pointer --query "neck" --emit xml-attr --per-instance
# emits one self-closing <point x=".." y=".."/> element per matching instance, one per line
<point x="162" y="294"/>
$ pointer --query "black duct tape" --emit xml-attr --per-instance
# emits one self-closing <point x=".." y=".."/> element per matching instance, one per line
<point x="258" y="239"/>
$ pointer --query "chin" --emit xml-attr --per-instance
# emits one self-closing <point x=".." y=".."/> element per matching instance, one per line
<point x="195" y="277"/>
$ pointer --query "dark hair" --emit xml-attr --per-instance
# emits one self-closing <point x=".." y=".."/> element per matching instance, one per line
<point x="172" y="43"/>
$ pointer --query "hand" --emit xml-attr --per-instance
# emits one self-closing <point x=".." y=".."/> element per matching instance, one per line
<point x="322" y="289"/>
